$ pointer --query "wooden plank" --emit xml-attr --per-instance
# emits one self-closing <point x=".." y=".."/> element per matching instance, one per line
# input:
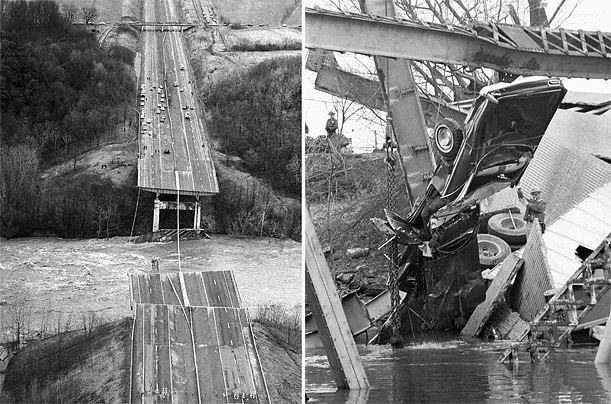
<point x="326" y="306"/>
<point x="508" y="269"/>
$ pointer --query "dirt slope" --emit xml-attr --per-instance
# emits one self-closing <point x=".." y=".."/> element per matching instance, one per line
<point x="79" y="368"/>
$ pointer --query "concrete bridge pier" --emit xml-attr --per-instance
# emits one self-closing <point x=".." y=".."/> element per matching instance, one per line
<point x="198" y="214"/>
<point x="156" y="207"/>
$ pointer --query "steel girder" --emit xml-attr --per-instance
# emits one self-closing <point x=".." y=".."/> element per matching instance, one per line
<point x="547" y="52"/>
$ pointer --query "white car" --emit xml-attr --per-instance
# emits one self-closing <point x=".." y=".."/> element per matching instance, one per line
<point x="158" y="91"/>
<point x="150" y="133"/>
<point x="142" y="115"/>
<point x="182" y="67"/>
<point x="162" y="108"/>
<point x="175" y="84"/>
<point x="187" y="115"/>
<point x="158" y="111"/>
<point x="141" y="103"/>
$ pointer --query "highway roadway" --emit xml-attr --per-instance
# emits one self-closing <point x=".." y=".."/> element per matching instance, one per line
<point x="173" y="152"/>
<point x="199" y="352"/>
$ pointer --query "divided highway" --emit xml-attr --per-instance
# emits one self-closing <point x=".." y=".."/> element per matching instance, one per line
<point x="172" y="137"/>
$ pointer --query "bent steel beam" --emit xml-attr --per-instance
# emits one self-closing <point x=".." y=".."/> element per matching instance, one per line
<point x="344" y="360"/>
<point x="366" y="92"/>
<point x="518" y="50"/>
<point x="402" y="104"/>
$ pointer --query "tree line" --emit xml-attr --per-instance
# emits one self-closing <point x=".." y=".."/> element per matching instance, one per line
<point x="60" y="94"/>
<point x="256" y="115"/>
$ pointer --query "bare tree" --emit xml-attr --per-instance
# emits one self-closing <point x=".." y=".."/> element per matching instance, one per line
<point x="69" y="10"/>
<point x="90" y="13"/>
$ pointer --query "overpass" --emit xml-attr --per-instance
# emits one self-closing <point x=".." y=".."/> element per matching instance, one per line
<point x="174" y="157"/>
<point x="161" y="26"/>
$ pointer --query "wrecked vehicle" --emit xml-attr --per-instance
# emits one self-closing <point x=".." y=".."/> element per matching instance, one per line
<point x="500" y="135"/>
<point x="439" y="268"/>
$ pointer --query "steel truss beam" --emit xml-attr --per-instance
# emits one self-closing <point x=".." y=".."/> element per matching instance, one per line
<point x="517" y="50"/>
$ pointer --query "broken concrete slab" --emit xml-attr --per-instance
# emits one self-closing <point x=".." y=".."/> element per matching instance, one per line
<point x="507" y="270"/>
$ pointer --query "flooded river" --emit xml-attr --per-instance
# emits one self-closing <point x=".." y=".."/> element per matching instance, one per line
<point x="461" y="372"/>
<point x="52" y="282"/>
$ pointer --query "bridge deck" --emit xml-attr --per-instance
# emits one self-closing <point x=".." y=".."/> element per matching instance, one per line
<point x="202" y="352"/>
<point x="170" y="142"/>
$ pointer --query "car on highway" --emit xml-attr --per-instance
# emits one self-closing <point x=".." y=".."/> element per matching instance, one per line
<point x="149" y="120"/>
<point x="162" y="119"/>
<point x="159" y="91"/>
<point x="158" y="111"/>
<point x="488" y="152"/>
<point x="187" y="115"/>
<point x="150" y="133"/>
<point x="175" y="84"/>
<point x="182" y="67"/>
<point x="141" y="103"/>
<point x="142" y="115"/>
<point x="162" y="108"/>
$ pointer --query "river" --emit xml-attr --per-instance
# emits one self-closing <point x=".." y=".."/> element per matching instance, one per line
<point x="456" y="371"/>
<point x="52" y="283"/>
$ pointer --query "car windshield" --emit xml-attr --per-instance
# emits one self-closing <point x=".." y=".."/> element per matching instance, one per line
<point x="520" y="119"/>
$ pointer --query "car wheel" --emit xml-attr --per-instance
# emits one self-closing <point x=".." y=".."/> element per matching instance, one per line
<point x="448" y="138"/>
<point x="492" y="250"/>
<point x="510" y="228"/>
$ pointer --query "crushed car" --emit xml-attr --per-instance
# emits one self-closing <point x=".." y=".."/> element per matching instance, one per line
<point x="439" y="265"/>
<point x="477" y="159"/>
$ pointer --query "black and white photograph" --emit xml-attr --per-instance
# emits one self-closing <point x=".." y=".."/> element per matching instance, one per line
<point x="150" y="201"/>
<point x="457" y="213"/>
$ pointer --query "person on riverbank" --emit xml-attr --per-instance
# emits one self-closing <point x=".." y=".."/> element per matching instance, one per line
<point x="331" y="125"/>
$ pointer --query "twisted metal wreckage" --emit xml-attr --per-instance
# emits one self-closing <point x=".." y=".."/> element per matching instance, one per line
<point x="472" y="160"/>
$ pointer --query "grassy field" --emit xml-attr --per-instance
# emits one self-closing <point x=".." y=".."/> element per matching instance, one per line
<point x="108" y="10"/>
<point x="270" y="12"/>
<point x="262" y="39"/>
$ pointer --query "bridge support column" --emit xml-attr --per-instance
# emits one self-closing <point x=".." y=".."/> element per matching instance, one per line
<point x="156" y="208"/>
<point x="198" y="214"/>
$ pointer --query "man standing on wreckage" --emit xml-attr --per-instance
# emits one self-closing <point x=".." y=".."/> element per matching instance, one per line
<point x="439" y="267"/>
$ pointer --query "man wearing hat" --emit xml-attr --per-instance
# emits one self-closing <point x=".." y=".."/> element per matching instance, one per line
<point x="331" y="125"/>
<point x="535" y="207"/>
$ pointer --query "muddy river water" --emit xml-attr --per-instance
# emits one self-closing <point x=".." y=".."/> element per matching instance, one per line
<point x="462" y="372"/>
<point x="56" y="282"/>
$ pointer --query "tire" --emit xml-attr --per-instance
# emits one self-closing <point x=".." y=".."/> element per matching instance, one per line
<point x="502" y="225"/>
<point x="448" y="138"/>
<point x="492" y="250"/>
